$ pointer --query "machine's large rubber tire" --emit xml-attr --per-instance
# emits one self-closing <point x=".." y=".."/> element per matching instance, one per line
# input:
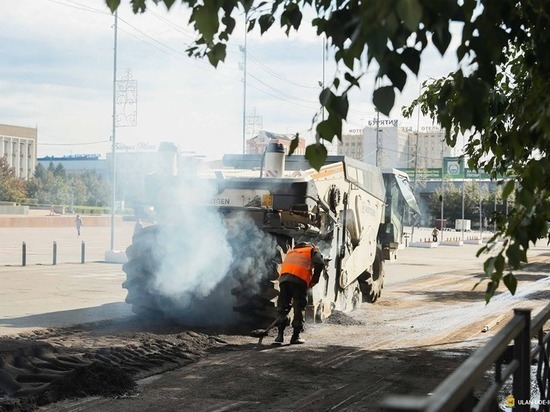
<point x="254" y="299"/>
<point x="372" y="283"/>
<point x="259" y="302"/>
<point x="141" y="265"/>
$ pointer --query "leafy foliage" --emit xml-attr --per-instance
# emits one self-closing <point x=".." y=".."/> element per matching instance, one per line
<point x="505" y="107"/>
<point x="54" y="186"/>
<point x="499" y="93"/>
<point x="477" y="198"/>
<point x="12" y="189"/>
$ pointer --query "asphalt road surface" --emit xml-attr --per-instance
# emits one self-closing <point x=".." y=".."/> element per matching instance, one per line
<point x="72" y="317"/>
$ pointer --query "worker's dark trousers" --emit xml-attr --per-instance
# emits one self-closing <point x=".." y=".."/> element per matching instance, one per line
<point x="292" y="296"/>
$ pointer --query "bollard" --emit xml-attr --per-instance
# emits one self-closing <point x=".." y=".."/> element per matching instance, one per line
<point x="24" y="254"/>
<point x="54" y="253"/>
<point x="82" y="252"/>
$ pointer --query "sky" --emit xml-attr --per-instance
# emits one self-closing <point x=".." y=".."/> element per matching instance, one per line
<point x="57" y="71"/>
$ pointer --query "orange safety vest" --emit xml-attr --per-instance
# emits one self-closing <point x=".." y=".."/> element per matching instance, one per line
<point x="298" y="263"/>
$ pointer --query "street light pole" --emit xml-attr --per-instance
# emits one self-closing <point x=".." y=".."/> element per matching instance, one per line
<point x="480" y="211"/>
<point x="244" y="80"/>
<point x="463" y="182"/>
<point x="416" y="159"/>
<point x="113" y="138"/>
<point x="441" y="196"/>
<point x="377" y="138"/>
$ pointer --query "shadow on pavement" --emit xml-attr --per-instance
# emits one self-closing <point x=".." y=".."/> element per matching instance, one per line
<point x="69" y="317"/>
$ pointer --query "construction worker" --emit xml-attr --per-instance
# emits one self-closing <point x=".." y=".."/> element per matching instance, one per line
<point x="300" y="270"/>
<point x="435" y="233"/>
<point x="138" y="227"/>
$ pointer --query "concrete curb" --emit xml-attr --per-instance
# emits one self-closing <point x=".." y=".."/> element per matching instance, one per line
<point x="473" y="242"/>
<point x="115" y="256"/>
<point x="452" y="243"/>
<point x="426" y="245"/>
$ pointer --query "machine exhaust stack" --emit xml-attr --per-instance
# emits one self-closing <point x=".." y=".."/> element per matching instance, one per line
<point x="274" y="160"/>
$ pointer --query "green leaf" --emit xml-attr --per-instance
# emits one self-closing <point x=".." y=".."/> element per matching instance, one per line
<point x="265" y="21"/>
<point x="316" y="155"/>
<point x="508" y="188"/>
<point x="204" y="23"/>
<point x="325" y="96"/>
<point x="169" y="3"/>
<point x="138" y="6"/>
<point x="499" y="263"/>
<point x="216" y="54"/>
<point x="410" y="12"/>
<point x="113" y="4"/>
<point x="377" y="41"/>
<point x="511" y="283"/>
<point x="514" y="254"/>
<point x="229" y="24"/>
<point x="411" y="58"/>
<point x="294" y="144"/>
<point x="291" y="17"/>
<point x="397" y="77"/>
<point x="384" y="98"/>
<point x="441" y="37"/>
<point x="354" y="81"/>
<point x="489" y="266"/>
<point x="490" y="291"/>
<point x="339" y="105"/>
<point x="329" y="128"/>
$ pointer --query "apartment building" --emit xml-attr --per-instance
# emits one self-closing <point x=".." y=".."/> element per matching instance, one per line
<point x="395" y="147"/>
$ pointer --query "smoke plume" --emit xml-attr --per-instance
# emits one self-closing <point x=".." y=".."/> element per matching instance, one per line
<point x="201" y="256"/>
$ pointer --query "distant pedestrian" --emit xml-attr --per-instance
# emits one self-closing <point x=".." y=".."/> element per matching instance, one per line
<point x="138" y="227"/>
<point x="435" y="233"/>
<point x="52" y="210"/>
<point x="78" y="222"/>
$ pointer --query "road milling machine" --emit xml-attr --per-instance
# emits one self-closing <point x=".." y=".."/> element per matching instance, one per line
<point x="351" y="210"/>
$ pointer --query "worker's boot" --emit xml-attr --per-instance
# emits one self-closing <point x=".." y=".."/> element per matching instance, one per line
<point x="296" y="339"/>
<point x="279" y="340"/>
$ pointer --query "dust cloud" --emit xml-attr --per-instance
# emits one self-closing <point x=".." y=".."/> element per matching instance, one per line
<point x="202" y="256"/>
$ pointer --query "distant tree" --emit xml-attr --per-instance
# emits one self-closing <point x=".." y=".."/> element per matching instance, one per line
<point x="41" y="186"/>
<point x="12" y="189"/>
<point x="97" y="190"/>
<point x="40" y="171"/>
<point x="452" y="202"/>
<point x="54" y="186"/>
<point x="59" y="171"/>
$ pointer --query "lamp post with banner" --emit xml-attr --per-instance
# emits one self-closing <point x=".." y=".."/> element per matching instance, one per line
<point x="124" y="115"/>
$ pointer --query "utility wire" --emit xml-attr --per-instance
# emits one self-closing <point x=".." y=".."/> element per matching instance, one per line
<point x="286" y="95"/>
<point x="73" y="144"/>
<point x="277" y="75"/>
<point x="78" y="6"/>
<point x="188" y="33"/>
<point x="280" y="98"/>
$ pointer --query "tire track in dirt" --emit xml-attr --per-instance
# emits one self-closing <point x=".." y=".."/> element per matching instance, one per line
<point x="47" y="366"/>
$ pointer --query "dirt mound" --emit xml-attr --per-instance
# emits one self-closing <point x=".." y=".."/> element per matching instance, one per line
<point x="91" y="380"/>
<point x="341" y="318"/>
<point x="91" y="360"/>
